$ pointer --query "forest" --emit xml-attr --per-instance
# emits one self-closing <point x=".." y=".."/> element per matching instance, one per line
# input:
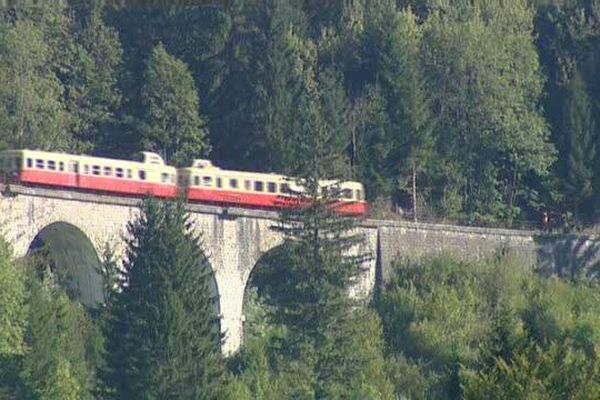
<point x="464" y="111"/>
<point x="479" y="112"/>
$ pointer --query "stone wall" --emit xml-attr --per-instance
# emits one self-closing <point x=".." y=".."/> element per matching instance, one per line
<point x="412" y="241"/>
<point x="235" y="239"/>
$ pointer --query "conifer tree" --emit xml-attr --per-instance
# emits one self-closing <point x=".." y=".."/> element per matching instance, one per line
<point x="90" y="79"/>
<point x="12" y="321"/>
<point x="321" y="264"/>
<point x="579" y="129"/>
<point x="12" y="299"/>
<point x="55" y="366"/>
<point x="171" y="123"/>
<point x="163" y="337"/>
<point x="279" y="81"/>
<point x="412" y="119"/>
<point x="32" y="113"/>
<point x="370" y="150"/>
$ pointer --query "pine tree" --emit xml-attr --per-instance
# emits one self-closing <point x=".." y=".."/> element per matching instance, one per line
<point x="414" y="140"/>
<point x="55" y="366"/>
<point x="171" y="123"/>
<point x="321" y="261"/>
<point x="163" y="338"/>
<point x="279" y="81"/>
<point x="369" y="123"/>
<point x="90" y="78"/>
<point x="335" y="109"/>
<point x="32" y="113"/>
<point x="579" y="129"/>
<point x="12" y="299"/>
<point x="12" y="321"/>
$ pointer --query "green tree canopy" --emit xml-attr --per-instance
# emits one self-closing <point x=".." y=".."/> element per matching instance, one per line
<point x="32" y="111"/>
<point x="164" y="338"/>
<point x="171" y="123"/>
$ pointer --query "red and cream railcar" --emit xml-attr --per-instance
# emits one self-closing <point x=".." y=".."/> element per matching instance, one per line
<point x="203" y="182"/>
<point x="33" y="167"/>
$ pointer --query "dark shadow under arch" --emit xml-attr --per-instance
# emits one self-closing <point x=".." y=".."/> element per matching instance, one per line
<point x="268" y="280"/>
<point x="73" y="255"/>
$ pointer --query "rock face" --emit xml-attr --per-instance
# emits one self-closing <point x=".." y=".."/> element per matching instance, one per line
<point x="77" y="227"/>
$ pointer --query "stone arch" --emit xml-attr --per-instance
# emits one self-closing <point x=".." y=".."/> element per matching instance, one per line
<point x="213" y="289"/>
<point x="263" y="277"/>
<point x="74" y="254"/>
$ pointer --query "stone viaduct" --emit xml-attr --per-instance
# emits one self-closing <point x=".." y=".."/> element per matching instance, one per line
<point x="77" y="227"/>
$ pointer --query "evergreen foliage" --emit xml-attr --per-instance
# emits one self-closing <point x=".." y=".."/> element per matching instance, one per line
<point x="92" y="96"/>
<point x="32" y="112"/>
<point x="12" y="302"/>
<point x="172" y="125"/>
<point x="455" y="110"/>
<point x="579" y="129"/>
<point x="55" y="367"/>
<point x="13" y="318"/>
<point x="163" y="336"/>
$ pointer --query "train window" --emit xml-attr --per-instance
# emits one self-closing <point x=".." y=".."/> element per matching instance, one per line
<point x="164" y="177"/>
<point x="284" y="188"/>
<point x="219" y="183"/>
<point x="258" y="186"/>
<point x="359" y="195"/>
<point x="271" y="187"/>
<point x="247" y="185"/>
<point x="18" y="163"/>
<point x="142" y="175"/>
<point x="233" y="183"/>
<point x="39" y="164"/>
<point x="86" y="169"/>
<point x="52" y="165"/>
<point x="61" y="165"/>
<point x="197" y="180"/>
<point x="29" y="163"/>
<point x="206" y="181"/>
<point x="108" y="171"/>
<point x="347" y="194"/>
<point x="95" y="170"/>
<point x="129" y="174"/>
<point x="119" y="172"/>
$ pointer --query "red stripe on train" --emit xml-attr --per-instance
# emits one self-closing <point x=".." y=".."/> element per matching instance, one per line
<point x="266" y="201"/>
<point x="137" y="188"/>
<point x="97" y="183"/>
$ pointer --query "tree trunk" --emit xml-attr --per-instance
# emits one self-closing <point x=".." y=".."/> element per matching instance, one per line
<point x="511" y="198"/>
<point x="414" y="191"/>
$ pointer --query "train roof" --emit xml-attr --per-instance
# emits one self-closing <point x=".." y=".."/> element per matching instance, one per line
<point x="205" y="166"/>
<point x="148" y="158"/>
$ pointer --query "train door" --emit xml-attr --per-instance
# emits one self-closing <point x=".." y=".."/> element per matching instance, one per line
<point x="73" y="173"/>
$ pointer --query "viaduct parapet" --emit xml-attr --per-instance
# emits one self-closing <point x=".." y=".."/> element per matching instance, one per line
<point x="77" y="227"/>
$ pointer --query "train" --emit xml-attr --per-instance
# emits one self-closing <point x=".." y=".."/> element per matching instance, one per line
<point x="201" y="182"/>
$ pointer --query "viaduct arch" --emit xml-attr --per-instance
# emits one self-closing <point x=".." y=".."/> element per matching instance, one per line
<point x="74" y="257"/>
<point x="76" y="225"/>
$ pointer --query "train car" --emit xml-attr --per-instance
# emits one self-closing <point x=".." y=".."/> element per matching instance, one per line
<point x="204" y="182"/>
<point x="32" y="167"/>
